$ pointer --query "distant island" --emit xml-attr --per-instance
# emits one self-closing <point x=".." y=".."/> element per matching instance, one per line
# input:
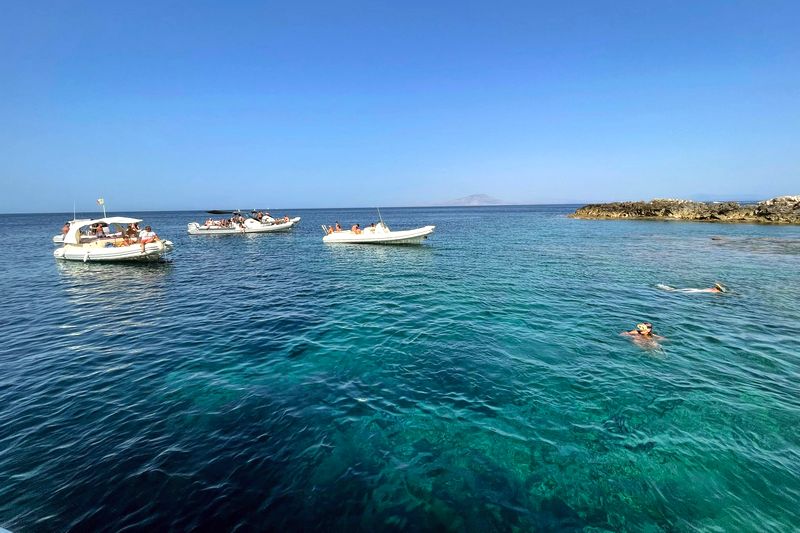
<point x="474" y="200"/>
<point x="780" y="210"/>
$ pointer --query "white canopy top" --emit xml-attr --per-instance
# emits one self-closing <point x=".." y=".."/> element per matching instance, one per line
<point x="73" y="235"/>
<point x="115" y="220"/>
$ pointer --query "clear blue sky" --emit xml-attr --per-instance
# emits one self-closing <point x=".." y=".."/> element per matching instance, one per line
<point x="181" y="105"/>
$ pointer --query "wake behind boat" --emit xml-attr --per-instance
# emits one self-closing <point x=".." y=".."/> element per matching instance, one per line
<point x="257" y="222"/>
<point x="111" y="241"/>
<point x="376" y="234"/>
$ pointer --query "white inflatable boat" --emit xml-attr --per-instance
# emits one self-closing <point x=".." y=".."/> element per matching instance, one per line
<point x="110" y="248"/>
<point x="377" y="234"/>
<point x="250" y="225"/>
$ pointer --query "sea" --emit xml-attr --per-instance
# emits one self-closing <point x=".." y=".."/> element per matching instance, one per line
<point x="477" y="382"/>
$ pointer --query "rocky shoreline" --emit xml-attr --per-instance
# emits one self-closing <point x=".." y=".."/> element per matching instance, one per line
<point x="780" y="210"/>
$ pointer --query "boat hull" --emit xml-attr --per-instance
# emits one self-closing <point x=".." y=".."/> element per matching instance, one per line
<point x="196" y="229"/>
<point x="153" y="251"/>
<point x="411" y="236"/>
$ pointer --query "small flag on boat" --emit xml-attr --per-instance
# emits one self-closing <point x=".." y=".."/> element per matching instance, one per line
<point x="100" y="201"/>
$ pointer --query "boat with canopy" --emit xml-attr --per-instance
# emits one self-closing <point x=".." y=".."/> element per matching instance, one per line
<point x="111" y="245"/>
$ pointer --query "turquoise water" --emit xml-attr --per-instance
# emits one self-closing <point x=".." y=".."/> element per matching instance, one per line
<point x="476" y="383"/>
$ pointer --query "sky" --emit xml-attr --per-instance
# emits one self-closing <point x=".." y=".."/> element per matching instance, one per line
<point x="158" y="105"/>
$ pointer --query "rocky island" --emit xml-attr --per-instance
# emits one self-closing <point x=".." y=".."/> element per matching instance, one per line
<point x="780" y="210"/>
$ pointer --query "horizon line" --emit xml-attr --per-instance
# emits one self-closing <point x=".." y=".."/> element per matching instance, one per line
<point x="425" y="206"/>
<point x="428" y="206"/>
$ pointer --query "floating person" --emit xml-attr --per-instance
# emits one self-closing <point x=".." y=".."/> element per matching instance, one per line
<point x="718" y="287"/>
<point x="644" y="334"/>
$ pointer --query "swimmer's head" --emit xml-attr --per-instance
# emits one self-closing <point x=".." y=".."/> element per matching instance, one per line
<point x="644" y="327"/>
<point x="720" y="287"/>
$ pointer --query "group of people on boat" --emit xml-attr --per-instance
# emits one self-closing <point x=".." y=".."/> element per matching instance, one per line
<point x="644" y="330"/>
<point x="232" y="222"/>
<point x="238" y="220"/>
<point x="131" y="235"/>
<point x="265" y="218"/>
<point x="355" y="228"/>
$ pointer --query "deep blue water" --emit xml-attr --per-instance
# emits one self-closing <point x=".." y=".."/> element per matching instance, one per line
<point x="477" y="382"/>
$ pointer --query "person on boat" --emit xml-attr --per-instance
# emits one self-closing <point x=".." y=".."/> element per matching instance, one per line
<point x="718" y="287"/>
<point x="130" y="234"/>
<point x="356" y="229"/>
<point x="98" y="231"/>
<point x="65" y="228"/>
<point x="147" y="236"/>
<point x="643" y="331"/>
<point x="338" y="227"/>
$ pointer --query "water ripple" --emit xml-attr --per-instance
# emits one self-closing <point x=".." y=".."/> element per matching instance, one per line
<point x="476" y="383"/>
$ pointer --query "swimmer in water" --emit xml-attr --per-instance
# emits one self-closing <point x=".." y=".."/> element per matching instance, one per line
<point x="718" y="287"/>
<point x="643" y="331"/>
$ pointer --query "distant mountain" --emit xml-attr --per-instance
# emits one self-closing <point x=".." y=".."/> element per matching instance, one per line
<point x="474" y="200"/>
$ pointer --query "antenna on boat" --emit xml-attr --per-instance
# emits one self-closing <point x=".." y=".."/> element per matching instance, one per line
<point x="102" y="203"/>
<point x="380" y="217"/>
<point x="73" y="211"/>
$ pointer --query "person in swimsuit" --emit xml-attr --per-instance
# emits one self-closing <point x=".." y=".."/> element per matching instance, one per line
<point x="718" y="287"/>
<point x="130" y="234"/>
<point x="147" y="236"/>
<point x="643" y="331"/>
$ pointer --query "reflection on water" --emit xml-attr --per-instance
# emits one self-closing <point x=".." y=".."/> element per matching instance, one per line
<point x="107" y="272"/>
<point x="363" y="253"/>
<point x="114" y="287"/>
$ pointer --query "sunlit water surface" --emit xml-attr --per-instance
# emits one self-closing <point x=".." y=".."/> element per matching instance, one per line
<point x="477" y="382"/>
